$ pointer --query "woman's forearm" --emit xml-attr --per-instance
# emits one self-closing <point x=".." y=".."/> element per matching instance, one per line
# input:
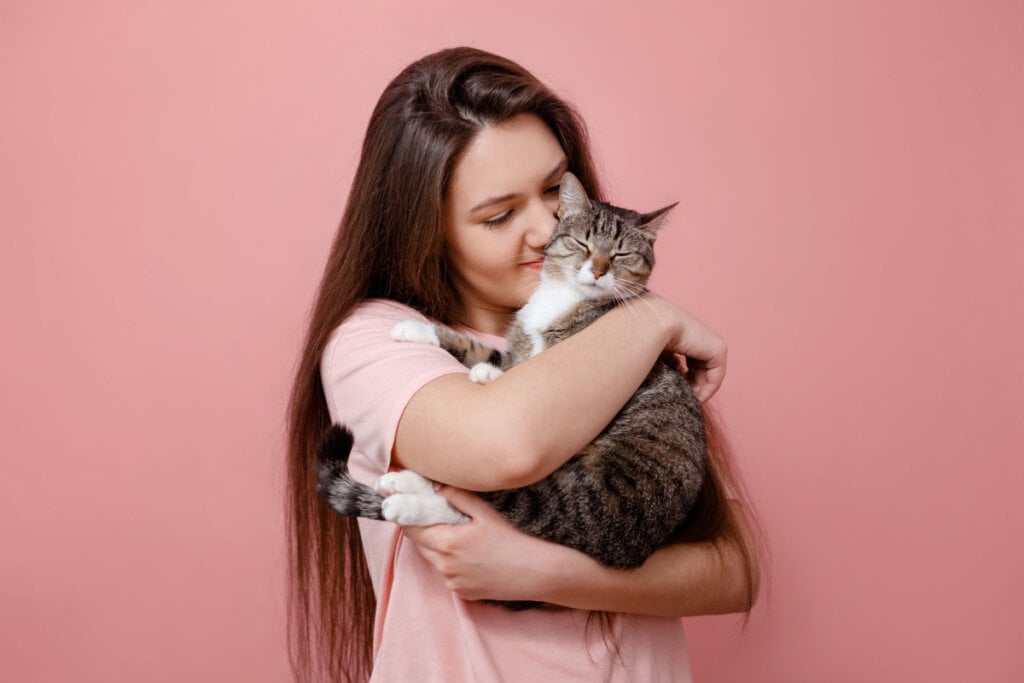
<point x="488" y="558"/>
<point x="523" y="426"/>
<point x="679" y="580"/>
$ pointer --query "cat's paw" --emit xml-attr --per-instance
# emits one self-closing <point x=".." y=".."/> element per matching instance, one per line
<point x="415" y="331"/>
<point x="484" y="373"/>
<point x="405" y="481"/>
<point x="414" y="509"/>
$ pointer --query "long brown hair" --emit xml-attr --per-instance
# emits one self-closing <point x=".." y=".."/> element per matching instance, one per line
<point x="390" y="245"/>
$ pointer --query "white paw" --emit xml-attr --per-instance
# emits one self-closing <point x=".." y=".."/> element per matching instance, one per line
<point x="484" y="373"/>
<point x="404" y="481"/>
<point x="414" y="509"/>
<point x="415" y="331"/>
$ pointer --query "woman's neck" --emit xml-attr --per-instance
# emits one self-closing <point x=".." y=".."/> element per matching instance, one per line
<point x="488" y="320"/>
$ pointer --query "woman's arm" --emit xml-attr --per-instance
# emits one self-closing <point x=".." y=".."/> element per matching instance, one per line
<point x="489" y="558"/>
<point x="523" y="426"/>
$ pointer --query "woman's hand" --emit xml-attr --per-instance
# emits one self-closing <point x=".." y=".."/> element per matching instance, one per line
<point x="700" y="352"/>
<point x="487" y="557"/>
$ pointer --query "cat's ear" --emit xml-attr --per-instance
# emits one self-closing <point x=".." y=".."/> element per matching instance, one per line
<point x="572" y="198"/>
<point x="652" y="222"/>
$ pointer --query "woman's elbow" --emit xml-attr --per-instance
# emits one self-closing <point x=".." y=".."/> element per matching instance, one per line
<point x="741" y="577"/>
<point x="516" y="462"/>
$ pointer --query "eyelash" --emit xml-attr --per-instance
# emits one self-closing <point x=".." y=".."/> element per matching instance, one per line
<point x="503" y="217"/>
<point x="499" y="219"/>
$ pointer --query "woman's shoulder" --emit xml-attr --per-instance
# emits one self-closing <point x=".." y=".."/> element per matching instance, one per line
<point x="364" y="335"/>
<point x="373" y="316"/>
<point x="380" y="309"/>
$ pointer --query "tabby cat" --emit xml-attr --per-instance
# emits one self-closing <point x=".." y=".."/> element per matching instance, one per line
<point x="626" y="493"/>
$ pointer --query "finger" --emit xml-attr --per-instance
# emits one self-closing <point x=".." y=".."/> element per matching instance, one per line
<point x="681" y="364"/>
<point x="675" y="360"/>
<point x="696" y="379"/>
<point x="467" y="502"/>
<point x="714" y="377"/>
<point x="420" y="535"/>
<point x="428" y="539"/>
<point x="707" y="382"/>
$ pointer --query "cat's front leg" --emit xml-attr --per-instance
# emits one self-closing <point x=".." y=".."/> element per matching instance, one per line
<point x="415" y="331"/>
<point x="413" y="501"/>
<point x="467" y="350"/>
<point x="484" y="373"/>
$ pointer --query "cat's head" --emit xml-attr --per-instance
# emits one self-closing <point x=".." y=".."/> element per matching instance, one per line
<point x="602" y="250"/>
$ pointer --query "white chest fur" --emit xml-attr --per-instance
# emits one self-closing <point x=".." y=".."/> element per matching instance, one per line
<point x="550" y="302"/>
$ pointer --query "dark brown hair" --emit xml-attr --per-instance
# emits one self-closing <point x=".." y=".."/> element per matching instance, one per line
<point x="390" y="245"/>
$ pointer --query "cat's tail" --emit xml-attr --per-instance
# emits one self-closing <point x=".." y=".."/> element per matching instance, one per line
<point x="334" y="483"/>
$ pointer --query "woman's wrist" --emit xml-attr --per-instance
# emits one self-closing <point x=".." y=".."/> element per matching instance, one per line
<point x="688" y="337"/>
<point x="650" y="314"/>
<point x="669" y="319"/>
<point x="570" y="577"/>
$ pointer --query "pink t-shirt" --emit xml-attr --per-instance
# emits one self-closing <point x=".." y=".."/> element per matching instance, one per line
<point x="423" y="631"/>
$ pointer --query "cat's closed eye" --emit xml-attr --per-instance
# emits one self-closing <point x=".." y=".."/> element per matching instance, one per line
<point x="574" y="243"/>
<point x="625" y="257"/>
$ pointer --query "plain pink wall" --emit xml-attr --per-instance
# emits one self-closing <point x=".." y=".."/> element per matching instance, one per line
<point x="851" y="220"/>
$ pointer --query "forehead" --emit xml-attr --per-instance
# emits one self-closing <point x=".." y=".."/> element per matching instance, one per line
<point x="507" y="158"/>
<point x="604" y="226"/>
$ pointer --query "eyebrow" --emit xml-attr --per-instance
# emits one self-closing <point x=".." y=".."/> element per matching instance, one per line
<point x="556" y="171"/>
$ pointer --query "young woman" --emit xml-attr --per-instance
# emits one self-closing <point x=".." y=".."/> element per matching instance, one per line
<point x="452" y="203"/>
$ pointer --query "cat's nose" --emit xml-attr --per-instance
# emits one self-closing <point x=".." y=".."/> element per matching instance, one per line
<point x="597" y="273"/>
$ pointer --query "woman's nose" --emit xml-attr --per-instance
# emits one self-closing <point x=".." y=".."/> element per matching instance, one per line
<point x="542" y="224"/>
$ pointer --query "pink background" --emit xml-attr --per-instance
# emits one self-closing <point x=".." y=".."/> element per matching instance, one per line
<point x="851" y="221"/>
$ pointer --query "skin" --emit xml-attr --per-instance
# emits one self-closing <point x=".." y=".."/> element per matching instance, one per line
<point x="499" y="214"/>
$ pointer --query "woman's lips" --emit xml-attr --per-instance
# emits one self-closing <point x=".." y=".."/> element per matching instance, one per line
<point x="534" y="265"/>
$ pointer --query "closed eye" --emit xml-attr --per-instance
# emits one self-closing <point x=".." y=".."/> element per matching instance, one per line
<point x="499" y="219"/>
<point x="573" y="242"/>
<point x="552" y="189"/>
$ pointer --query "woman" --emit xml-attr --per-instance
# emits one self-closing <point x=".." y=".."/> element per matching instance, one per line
<point x="453" y="200"/>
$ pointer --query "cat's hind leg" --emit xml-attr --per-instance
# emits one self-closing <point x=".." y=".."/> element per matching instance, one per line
<point x="418" y="509"/>
<point x="403" y="481"/>
<point x="413" y="502"/>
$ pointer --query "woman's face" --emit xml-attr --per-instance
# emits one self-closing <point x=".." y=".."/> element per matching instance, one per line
<point x="499" y="214"/>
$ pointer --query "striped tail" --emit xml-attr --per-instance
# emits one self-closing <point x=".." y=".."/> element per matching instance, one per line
<point x="347" y="496"/>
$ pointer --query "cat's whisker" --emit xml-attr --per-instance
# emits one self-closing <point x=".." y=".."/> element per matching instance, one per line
<point x="633" y="301"/>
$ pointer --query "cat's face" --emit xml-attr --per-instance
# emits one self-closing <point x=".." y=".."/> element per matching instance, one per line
<point x="602" y="250"/>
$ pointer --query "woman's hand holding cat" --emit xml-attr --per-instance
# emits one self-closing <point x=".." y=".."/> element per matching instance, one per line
<point x="487" y="557"/>
<point x="704" y="352"/>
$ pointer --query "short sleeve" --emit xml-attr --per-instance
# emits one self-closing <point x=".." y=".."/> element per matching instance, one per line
<point x="368" y="379"/>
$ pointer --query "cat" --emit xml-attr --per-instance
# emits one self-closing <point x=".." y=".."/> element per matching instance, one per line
<point x="623" y="495"/>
